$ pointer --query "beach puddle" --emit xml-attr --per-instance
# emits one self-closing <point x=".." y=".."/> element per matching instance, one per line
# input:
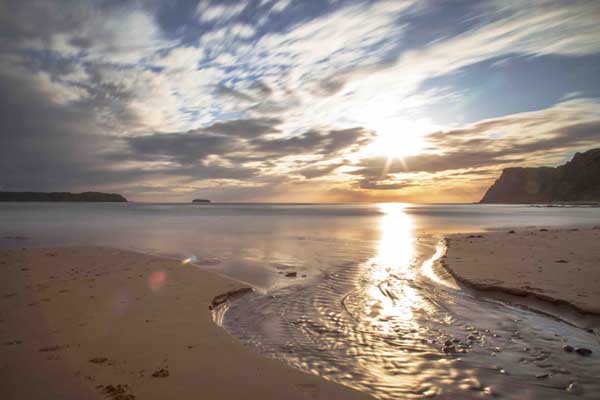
<point x="398" y="326"/>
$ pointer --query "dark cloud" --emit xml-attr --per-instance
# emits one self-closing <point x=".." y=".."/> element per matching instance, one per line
<point x="372" y="184"/>
<point x="225" y="91"/>
<point x="246" y="128"/>
<point x="185" y="148"/>
<point x="46" y="146"/>
<point x="262" y="88"/>
<point x="317" y="142"/>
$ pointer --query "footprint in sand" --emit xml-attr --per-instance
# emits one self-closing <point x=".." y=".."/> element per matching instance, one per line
<point x="98" y="360"/>
<point x="117" y="392"/>
<point x="49" y="348"/>
<point x="161" y="373"/>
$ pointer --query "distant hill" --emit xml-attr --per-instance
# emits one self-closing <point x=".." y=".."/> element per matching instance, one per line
<point x="576" y="181"/>
<point x="62" y="196"/>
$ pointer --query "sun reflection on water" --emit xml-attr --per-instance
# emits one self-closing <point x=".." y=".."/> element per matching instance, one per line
<point x="390" y="297"/>
<point x="395" y="248"/>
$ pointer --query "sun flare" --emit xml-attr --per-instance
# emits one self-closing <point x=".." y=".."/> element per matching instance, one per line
<point x="397" y="138"/>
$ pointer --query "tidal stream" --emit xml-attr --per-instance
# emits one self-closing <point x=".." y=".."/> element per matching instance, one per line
<point x="398" y="326"/>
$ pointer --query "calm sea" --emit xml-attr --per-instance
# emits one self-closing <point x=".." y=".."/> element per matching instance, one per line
<point x="249" y="240"/>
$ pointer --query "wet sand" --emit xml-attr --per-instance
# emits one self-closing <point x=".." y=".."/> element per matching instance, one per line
<point x="79" y="322"/>
<point x="561" y="266"/>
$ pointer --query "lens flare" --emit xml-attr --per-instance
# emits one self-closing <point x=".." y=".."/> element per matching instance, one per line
<point x="156" y="280"/>
<point x="189" y="260"/>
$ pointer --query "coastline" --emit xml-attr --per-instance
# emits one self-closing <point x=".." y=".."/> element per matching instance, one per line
<point x="557" y="266"/>
<point x="90" y="322"/>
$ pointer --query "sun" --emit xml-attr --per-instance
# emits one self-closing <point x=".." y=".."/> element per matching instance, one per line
<point x="397" y="138"/>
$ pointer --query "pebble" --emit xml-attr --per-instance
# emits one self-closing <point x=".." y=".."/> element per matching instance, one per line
<point x="582" y="351"/>
<point x="567" y="348"/>
<point x="449" y="349"/>
<point x="574" y="388"/>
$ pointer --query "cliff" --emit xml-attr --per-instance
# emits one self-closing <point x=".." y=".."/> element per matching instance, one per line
<point x="576" y="181"/>
<point x="62" y="196"/>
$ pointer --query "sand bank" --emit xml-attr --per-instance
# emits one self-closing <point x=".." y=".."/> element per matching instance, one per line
<point x="102" y="323"/>
<point x="557" y="265"/>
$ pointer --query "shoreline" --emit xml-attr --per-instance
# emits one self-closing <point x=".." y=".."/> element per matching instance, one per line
<point x="91" y="322"/>
<point x="553" y="268"/>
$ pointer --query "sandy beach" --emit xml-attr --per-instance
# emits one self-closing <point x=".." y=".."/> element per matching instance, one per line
<point x="561" y="266"/>
<point x="88" y="322"/>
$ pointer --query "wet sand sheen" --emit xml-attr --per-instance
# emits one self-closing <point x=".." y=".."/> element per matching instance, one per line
<point x="80" y="322"/>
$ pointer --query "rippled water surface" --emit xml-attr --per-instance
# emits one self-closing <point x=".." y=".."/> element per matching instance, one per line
<point x="369" y="306"/>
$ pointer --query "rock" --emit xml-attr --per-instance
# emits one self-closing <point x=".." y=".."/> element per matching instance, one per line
<point x="511" y="231"/>
<point x="449" y="349"/>
<point x="291" y="274"/>
<point x="574" y="388"/>
<point x="582" y="351"/>
<point x="567" y="348"/>
<point x="576" y="181"/>
<point x="448" y="342"/>
<point x="561" y="261"/>
<point x="542" y="375"/>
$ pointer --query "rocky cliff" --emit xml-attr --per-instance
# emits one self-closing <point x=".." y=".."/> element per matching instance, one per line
<point x="62" y="196"/>
<point x="576" y="181"/>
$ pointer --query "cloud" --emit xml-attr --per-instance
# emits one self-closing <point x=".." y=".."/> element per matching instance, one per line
<point x="273" y="94"/>
<point x="211" y="11"/>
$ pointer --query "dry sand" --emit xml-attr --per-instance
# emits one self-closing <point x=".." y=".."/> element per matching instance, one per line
<point x="557" y="265"/>
<point x="78" y="323"/>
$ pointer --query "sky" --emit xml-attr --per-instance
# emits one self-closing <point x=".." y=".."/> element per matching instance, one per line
<point x="293" y="100"/>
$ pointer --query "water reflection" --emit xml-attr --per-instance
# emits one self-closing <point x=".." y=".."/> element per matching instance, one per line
<point x="395" y="246"/>
<point x="386" y="301"/>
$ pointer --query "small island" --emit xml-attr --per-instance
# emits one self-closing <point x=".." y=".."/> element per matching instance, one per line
<point x="63" y="196"/>
<point x="201" y="201"/>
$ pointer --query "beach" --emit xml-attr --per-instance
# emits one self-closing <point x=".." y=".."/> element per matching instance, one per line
<point x="559" y="266"/>
<point x="349" y="301"/>
<point x="90" y="322"/>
